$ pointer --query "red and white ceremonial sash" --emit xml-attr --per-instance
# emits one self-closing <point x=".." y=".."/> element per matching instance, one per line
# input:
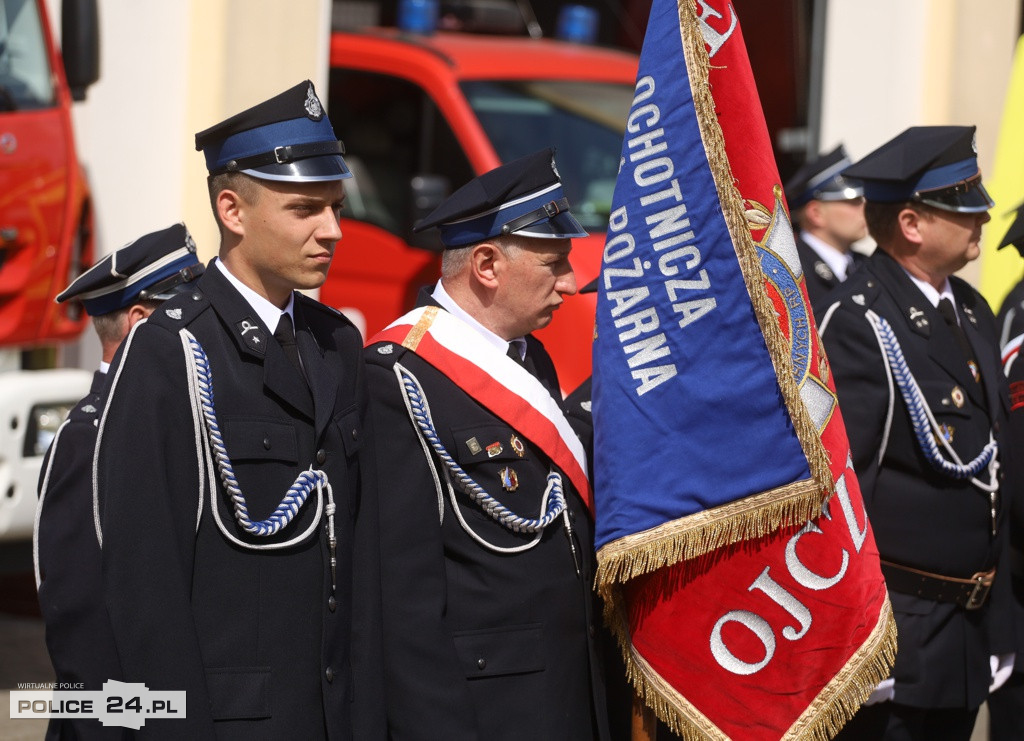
<point x="494" y="381"/>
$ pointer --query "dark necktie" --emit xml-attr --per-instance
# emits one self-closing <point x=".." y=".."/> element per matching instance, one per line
<point x="949" y="315"/>
<point x="285" y="336"/>
<point x="513" y="352"/>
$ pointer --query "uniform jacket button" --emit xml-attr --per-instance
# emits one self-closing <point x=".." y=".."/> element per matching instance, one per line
<point x="332" y="604"/>
<point x="321" y="455"/>
<point x="481" y="664"/>
<point x="266" y="443"/>
<point x="355" y="434"/>
<point x="329" y="674"/>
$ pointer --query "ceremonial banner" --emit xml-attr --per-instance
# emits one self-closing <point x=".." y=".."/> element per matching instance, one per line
<point x="735" y="558"/>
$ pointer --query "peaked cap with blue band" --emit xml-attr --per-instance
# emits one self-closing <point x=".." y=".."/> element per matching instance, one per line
<point x="152" y="268"/>
<point x="821" y="180"/>
<point x="522" y="197"/>
<point x="935" y="165"/>
<point x="287" y="137"/>
<point x="1015" y="234"/>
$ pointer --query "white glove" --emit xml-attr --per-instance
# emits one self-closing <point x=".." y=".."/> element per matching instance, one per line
<point x="884" y="692"/>
<point x="1002" y="668"/>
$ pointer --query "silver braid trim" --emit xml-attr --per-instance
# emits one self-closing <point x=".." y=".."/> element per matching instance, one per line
<point x="553" y="503"/>
<point x="926" y="429"/>
<point x="201" y="396"/>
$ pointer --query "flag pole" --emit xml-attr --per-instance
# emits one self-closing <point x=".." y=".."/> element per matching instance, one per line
<point x="644" y="726"/>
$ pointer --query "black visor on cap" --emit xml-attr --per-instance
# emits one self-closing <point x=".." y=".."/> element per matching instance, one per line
<point x="968" y="197"/>
<point x="562" y="225"/>
<point x="310" y="169"/>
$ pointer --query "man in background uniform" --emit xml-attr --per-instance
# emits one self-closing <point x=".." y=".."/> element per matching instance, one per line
<point x="1006" y="705"/>
<point x="485" y="535"/>
<point x="228" y="460"/>
<point x="915" y="361"/>
<point x="1011" y="313"/>
<point x="828" y="209"/>
<point x="120" y="290"/>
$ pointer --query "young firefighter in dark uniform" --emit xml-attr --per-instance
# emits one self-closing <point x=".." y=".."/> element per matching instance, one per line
<point x="829" y="211"/>
<point x="486" y="543"/>
<point x="120" y="290"/>
<point x="915" y="361"/>
<point x="1006" y="704"/>
<point x="228" y="459"/>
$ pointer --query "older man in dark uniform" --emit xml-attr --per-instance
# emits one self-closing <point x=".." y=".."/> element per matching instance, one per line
<point x="486" y="537"/>
<point x="117" y="292"/>
<point x="228" y="459"/>
<point x="828" y="208"/>
<point x="914" y="355"/>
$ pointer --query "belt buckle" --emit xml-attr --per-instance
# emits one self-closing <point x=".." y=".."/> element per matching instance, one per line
<point x="982" y="586"/>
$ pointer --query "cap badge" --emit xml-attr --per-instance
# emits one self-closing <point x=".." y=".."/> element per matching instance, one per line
<point x="974" y="143"/>
<point x="386" y="349"/>
<point x="509" y="479"/>
<point x="173" y="313"/>
<point x="313" y="107"/>
<point x="190" y="243"/>
<point x="517" y="446"/>
<point x="957" y="395"/>
<point x="494" y="449"/>
<point x="554" y="169"/>
<point x="473" y="445"/>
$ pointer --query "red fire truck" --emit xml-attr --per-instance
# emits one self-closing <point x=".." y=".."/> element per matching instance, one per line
<point x="45" y="235"/>
<point x="421" y="115"/>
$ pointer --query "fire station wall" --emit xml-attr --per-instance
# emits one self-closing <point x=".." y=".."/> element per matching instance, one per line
<point x="168" y="70"/>
<point x="891" y="65"/>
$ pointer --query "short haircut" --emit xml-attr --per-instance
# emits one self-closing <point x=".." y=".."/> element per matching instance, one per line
<point x="244" y="185"/>
<point x="454" y="261"/>
<point x="112" y="327"/>
<point x="883" y="219"/>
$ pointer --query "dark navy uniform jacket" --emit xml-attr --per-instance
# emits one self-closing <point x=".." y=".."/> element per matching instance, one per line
<point x="257" y="638"/>
<point x="821" y="281"/>
<point x="478" y="644"/>
<point x="920" y="517"/>
<point x="1011" y="314"/>
<point x="79" y="638"/>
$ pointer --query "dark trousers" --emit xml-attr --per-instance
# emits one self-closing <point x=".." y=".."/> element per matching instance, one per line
<point x="1006" y="710"/>
<point x="893" y="722"/>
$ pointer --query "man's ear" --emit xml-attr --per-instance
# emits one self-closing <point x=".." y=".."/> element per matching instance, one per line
<point x="136" y="313"/>
<point x="811" y="214"/>
<point x="909" y="222"/>
<point x="230" y="208"/>
<point x="486" y="261"/>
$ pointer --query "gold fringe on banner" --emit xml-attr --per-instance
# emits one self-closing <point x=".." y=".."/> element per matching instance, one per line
<point x="696" y="535"/>
<point x="834" y="706"/>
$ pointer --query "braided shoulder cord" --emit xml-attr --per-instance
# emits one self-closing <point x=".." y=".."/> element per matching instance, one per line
<point x="920" y="415"/>
<point x="293" y="500"/>
<point x="420" y="413"/>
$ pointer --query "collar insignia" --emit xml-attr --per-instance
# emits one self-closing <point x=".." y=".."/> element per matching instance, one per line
<point x="823" y="271"/>
<point x="253" y="337"/>
<point x="858" y="298"/>
<point x="386" y="349"/>
<point x="173" y="313"/>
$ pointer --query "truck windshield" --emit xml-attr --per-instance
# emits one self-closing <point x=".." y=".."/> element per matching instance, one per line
<point x="24" y="66"/>
<point x="584" y="121"/>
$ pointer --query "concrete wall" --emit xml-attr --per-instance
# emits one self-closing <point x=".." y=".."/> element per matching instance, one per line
<point x="168" y="70"/>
